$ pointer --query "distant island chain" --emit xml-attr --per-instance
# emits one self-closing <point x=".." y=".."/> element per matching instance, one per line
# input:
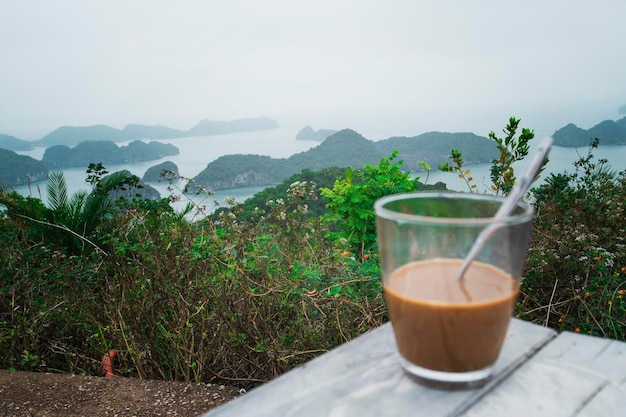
<point x="79" y="146"/>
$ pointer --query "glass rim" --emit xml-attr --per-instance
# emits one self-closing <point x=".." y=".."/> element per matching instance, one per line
<point x="525" y="215"/>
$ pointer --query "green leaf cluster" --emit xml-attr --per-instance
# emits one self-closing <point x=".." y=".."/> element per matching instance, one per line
<point x="350" y="202"/>
<point x="511" y="150"/>
<point x="70" y="222"/>
<point x="502" y="172"/>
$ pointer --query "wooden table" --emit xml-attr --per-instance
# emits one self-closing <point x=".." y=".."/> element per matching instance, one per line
<point x="538" y="374"/>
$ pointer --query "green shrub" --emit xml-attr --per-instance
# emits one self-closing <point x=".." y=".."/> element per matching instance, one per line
<point x="350" y="203"/>
<point x="223" y="299"/>
<point x="576" y="272"/>
<point x="502" y="173"/>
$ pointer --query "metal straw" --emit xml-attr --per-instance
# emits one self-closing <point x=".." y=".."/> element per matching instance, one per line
<point x="519" y="190"/>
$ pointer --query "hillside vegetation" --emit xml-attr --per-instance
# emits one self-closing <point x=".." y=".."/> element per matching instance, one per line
<point x="105" y="152"/>
<point x="345" y="148"/>
<point x="20" y="169"/>
<point x="253" y="290"/>
<point x="611" y="132"/>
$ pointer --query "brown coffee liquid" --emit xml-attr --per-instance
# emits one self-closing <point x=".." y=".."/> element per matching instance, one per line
<point x="450" y="325"/>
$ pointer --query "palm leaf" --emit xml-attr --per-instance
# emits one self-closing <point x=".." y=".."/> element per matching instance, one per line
<point x="99" y="201"/>
<point x="57" y="191"/>
<point x="117" y="180"/>
<point x="75" y="211"/>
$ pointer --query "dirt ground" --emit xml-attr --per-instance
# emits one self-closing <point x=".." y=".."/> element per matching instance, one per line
<point x="35" y="394"/>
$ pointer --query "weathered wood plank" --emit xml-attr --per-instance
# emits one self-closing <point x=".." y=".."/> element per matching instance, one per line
<point x="364" y="378"/>
<point x="574" y="375"/>
<point x="610" y="401"/>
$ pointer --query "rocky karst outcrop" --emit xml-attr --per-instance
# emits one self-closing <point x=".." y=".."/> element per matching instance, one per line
<point x="141" y="191"/>
<point x="608" y="132"/>
<point x="345" y="148"/>
<point x="20" y="169"/>
<point x="105" y="152"/>
<point x="308" y="133"/>
<point x="161" y="172"/>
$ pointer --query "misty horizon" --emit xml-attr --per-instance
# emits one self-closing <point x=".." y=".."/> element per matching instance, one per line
<point x="35" y="134"/>
<point x="394" y="68"/>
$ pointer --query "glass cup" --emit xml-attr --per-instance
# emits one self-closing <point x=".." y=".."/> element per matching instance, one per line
<point x="449" y="331"/>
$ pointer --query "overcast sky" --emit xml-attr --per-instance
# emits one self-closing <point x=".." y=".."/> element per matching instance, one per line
<point x="382" y="67"/>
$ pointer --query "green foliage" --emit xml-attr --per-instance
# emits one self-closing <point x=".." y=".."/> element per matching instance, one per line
<point x="222" y="299"/>
<point x="18" y="209"/>
<point x="251" y="208"/>
<point x="350" y="203"/>
<point x="502" y="172"/>
<point x="250" y="292"/>
<point x="458" y="167"/>
<point x="70" y="223"/>
<point x="576" y="271"/>
<point x="511" y="151"/>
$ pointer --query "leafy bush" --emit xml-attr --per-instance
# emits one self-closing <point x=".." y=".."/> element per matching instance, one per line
<point x="502" y="173"/>
<point x="576" y="276"/>
<point x="350" y="202"/>
<point x="222" y="299"/>
<point x="511" y="151"/>
<point x="576" y="269"/>
<point x="249" y="210"/>
<point x="71" y="223"/>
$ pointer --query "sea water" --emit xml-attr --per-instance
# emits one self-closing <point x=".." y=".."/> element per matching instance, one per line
<point x="196" y="152"/>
